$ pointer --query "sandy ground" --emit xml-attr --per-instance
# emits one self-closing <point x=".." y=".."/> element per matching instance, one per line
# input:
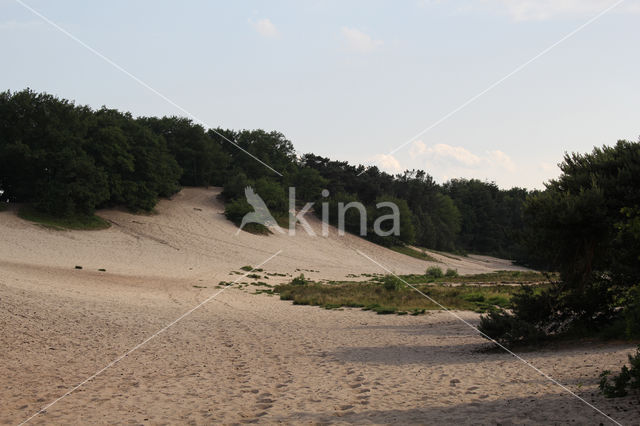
<point x="251" y="358"/>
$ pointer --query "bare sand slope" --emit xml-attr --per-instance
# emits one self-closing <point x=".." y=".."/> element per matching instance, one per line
<point x="244" y="358"/>
<point x="190" y="236"/>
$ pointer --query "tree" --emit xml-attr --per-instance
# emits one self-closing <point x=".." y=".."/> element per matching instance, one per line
<point x="585" y="226"/>
<point x="201" y="158"/>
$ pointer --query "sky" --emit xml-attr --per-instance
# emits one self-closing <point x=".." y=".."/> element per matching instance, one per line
<point x="354" y="80"/>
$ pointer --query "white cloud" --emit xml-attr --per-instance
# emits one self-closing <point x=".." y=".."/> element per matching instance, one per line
<point x="387" y="162"/>
<point x="265" y="28"/>
<point x="454" y="153"/>
<point x="529" y="10"/>
<point x="461" y="157"/>
<point x="358" y="41"/>
<point x="501" y="159"/>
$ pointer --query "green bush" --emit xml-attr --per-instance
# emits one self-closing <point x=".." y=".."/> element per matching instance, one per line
<point x="474" y="297"/>
<point x="434" y="272"/>
<point x="629" y="378"/>
<point x="507" y="329"/>
<point x="391" y="283"/>
<point x="451" y="273"/>
<point x="236" y="209"/>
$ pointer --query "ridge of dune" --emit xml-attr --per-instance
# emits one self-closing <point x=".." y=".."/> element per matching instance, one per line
<point x="189" y="236"/>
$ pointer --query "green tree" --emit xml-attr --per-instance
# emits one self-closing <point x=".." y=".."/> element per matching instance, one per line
<point x="201" y="158"/>
<point x="584" y="226"/>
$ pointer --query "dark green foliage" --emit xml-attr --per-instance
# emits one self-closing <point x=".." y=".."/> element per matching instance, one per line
<point x="272" y="193"/>
<point x="434" y="272"/>
<point x="585" y="225"/>
<point x="355" y="221"/>
<point x="627" y="379"/>
<point x="384" y="214"/>
<point x="200" y="156"/>
<point x="451" y="273"/>
<point x="466" y="215"/>
<point x="236" y="209"/>
<point x="309" y="184"/>
<point x="491" y="219"/>
<point x="391" y="283"/>
<point x="272" y="148"/>
<point x="68" y="160"/>
<point x="507" y="329"/>
<point x="79" y="222"/>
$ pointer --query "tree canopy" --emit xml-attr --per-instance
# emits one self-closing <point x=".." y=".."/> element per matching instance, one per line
<point x="69" y="160"/>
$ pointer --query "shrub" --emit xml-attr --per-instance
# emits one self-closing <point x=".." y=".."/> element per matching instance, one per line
<point x="629" y="378"/>
<point x="451" y="273"/>
<point x="508" y="329"/>
<point x="236" y="209"/>
<point x="391" y="283"/>
<point x="299" y="280"/>
<point x="384" y="310"/>
<point x="434" y="272"/>
<point x="474" y="297"/>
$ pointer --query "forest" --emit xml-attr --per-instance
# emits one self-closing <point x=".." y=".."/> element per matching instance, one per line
<point x="68" y="160"/>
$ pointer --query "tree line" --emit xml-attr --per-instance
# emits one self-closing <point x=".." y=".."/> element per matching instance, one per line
<point x="70" y="160"/>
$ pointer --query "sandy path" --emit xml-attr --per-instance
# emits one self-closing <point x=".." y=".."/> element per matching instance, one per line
<point x="242" y="357"/>
<point x="245" y="358"/>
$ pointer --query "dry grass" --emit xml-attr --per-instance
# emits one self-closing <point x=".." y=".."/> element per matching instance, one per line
<point x="389" y="295"/>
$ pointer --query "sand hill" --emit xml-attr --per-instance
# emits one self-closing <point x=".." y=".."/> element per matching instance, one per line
<point x="250" y="358"/>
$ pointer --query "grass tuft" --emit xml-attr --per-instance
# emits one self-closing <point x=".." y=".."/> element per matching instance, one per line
<point x="82" y="223"/>
<point x="418" y="254"/>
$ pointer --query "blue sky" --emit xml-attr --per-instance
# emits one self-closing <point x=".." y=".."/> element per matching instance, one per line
<point x="353" y="80"/>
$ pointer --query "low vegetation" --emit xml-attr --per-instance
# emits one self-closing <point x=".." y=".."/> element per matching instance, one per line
<point x="498" y="277"/>
<point x="434" y="272"/>
<point x="388" y="294"/>
<point x="81" y="222"/>
<point x="410" y="251"/>
<point x="628" y="379"/>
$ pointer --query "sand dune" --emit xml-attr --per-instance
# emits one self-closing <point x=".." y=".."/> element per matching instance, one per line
<point x="190" y="236"/>
<point x="251" y="358"/>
